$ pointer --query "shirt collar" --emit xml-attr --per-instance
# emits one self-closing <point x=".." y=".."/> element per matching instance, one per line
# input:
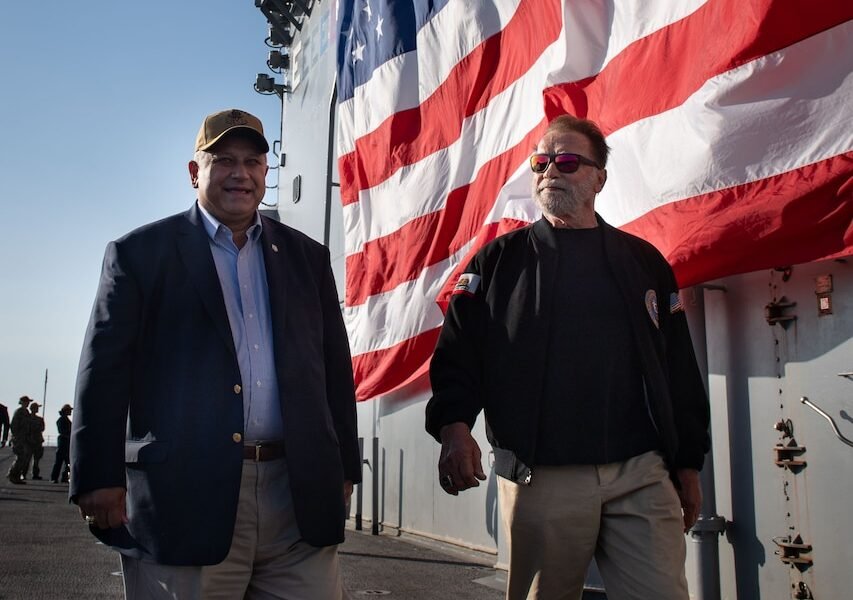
<point x="212" y="225"/>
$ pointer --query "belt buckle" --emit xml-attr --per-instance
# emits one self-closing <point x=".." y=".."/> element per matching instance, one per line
<point x="258" y="452"/>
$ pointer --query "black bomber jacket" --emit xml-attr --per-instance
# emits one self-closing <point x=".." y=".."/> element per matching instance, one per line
<point x="490" y="354"/>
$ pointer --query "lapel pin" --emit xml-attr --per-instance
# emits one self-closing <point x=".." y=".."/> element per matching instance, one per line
<point x="274" y="248"/>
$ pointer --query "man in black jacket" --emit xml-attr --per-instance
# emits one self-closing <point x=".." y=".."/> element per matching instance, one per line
<point x="571" y="336"/>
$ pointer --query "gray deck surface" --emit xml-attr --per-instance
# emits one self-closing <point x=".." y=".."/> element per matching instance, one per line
<point x="47" y="552"/>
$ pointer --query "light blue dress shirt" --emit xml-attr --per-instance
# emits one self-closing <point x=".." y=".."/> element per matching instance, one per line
<point x="243" y="279"/>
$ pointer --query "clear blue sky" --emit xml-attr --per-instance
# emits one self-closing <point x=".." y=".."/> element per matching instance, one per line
<point x="100" y="103"/>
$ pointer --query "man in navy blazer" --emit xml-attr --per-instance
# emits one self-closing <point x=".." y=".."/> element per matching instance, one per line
<point x="214" y="435"/>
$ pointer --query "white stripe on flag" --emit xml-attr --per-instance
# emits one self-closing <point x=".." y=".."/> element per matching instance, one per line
<point x="770" y="116"/>
<point x="406" y="311"/>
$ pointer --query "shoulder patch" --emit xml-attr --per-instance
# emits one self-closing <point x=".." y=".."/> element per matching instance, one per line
<point x="467" y="284"/>
<point x="675" y="304"/>
<point x="652" y="306"/>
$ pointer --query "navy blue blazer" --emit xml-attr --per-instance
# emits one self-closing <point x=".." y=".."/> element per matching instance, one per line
<point x="159" y="407"/>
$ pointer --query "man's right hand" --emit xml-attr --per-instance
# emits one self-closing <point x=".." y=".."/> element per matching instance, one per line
<point x="460" y="464"/>
<point x="106" y="506"/>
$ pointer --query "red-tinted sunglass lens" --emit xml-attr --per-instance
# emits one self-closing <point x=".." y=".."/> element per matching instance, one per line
<point x="567" y="163"/>
<point x="539" y="163"/>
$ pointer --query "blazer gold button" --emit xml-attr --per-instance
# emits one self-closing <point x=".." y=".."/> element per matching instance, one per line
<point x="237" y="389"/>
<point x="237" y="438"/>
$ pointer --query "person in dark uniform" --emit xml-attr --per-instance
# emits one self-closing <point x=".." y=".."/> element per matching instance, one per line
<point x="63" y="445"/>
<point x="20" y="428"/>
<point x="571" y="336"/>
<point x="4" y="425"/>
<point x="36" y="439"/>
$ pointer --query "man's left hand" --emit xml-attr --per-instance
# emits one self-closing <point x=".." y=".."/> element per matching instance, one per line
<point x="690" y="494"/>
<point x="347" y="491"/>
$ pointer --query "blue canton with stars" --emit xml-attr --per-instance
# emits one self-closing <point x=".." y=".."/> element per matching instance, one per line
<point x="375" y="31"/>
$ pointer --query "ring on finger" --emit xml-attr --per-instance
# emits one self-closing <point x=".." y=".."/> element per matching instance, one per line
<point x="90" y="520"/>
<point x="446" y="481"/>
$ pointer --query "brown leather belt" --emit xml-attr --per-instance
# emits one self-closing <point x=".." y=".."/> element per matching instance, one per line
<point x="263" y="451"/>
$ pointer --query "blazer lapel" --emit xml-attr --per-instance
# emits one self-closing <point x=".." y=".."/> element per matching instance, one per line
<point x="282" y="281"/>
<point x="194" y="248"/>
<point x="279" y="273"/>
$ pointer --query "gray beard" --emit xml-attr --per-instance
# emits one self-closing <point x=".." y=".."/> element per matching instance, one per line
<point x="570" y="203"/>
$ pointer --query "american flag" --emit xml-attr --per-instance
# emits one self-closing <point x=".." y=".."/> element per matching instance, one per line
<point x="731" y="123"/>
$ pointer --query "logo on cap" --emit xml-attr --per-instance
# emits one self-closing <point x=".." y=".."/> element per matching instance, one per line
<point x="237" y="117"/>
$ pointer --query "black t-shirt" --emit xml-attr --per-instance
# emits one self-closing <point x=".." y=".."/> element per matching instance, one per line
<point x="593" y="409"/>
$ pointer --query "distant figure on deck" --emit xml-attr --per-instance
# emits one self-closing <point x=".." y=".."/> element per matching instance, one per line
<point x="20" y="440"/>
<point x="4" y="425"/>
<point x="36" y="439"/>
<point x="63" y="446"/>
<point x="214" y="440"/>
<point x="570" y="335"/>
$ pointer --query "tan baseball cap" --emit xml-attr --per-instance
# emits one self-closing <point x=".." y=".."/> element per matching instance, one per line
<point x="219" y="124"/>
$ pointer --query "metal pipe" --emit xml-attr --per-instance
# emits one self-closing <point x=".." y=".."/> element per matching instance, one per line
<point x="706" y="531"/>
<point x="359" y="494"/>
<point x="330" y="164"/>
<point x="374" y="528"/>
<point x="817" y="409"/>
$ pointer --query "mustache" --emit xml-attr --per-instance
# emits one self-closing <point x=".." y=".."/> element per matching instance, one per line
<point x="551" y="186"/>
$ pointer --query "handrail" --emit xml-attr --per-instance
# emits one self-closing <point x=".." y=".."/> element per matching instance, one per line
<point x="817" y="409"/>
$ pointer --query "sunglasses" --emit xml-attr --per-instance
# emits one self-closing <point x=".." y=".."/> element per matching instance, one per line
<point x="566" y="162"/>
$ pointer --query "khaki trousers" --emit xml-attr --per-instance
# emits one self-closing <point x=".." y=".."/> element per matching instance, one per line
<point x="268" y="559"/>
<point x="627" y="515"/>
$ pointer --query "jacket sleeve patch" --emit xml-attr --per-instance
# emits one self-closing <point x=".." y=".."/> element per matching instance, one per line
<point x="652" y="306"/>
<point x="467" y="284"/>
<point x="675" y="304"/>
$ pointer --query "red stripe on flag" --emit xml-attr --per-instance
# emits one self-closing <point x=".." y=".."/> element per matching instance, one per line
<point x="383" y="371"/>
<point x="796" y="217"/>
<point x="386" y="262"/>
<point x="411" y="135"/>
<point x="718" y="37"/>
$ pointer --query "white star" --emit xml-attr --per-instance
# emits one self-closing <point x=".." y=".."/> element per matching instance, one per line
<point x="367" y="10"/>
<point x="358" y="53"/>
<point x="379" y="28"/>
